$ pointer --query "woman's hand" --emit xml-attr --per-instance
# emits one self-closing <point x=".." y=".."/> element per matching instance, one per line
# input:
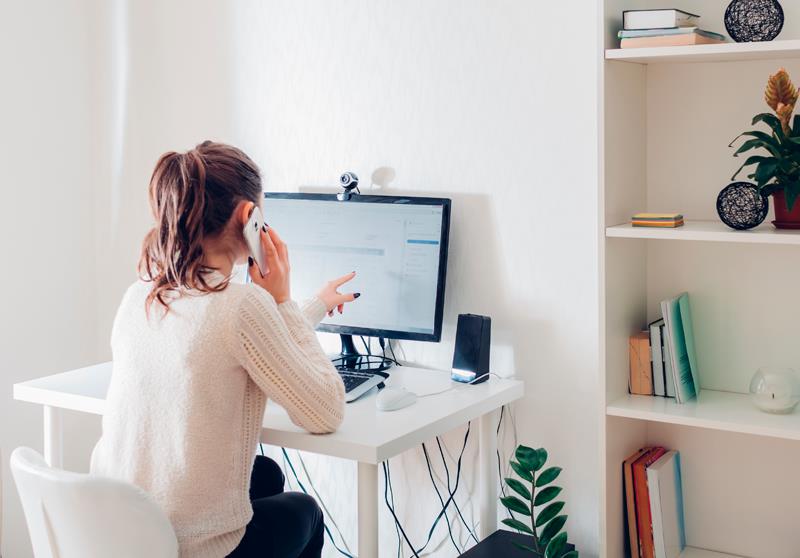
<point x="276" y="281"/>
<point x="332" y="298"/>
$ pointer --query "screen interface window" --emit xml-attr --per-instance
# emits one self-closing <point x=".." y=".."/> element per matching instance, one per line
<point x="394" y="249"/>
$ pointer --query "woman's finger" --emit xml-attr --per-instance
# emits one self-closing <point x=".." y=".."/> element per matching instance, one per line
<point x="343" y="279"/>
<point x="340" y="308"/>
<point x="253" y="271"/>
<point x="348" y="297"/>
<point x="330" y="313"/>
<point x="280" y="245"/>
<point x="269" y="249"/>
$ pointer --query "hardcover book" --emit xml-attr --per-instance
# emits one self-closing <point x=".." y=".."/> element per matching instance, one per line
<point x="666" y="505"/>
<point x="680" y="348"/>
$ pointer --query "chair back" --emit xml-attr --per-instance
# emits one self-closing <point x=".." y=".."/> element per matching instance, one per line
<point x="71" y="515"/>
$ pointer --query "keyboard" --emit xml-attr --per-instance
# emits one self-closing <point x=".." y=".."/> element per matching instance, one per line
<point x="354" y="379"/>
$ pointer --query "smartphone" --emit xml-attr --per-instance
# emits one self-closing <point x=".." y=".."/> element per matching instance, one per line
<point x="252" y="236"/>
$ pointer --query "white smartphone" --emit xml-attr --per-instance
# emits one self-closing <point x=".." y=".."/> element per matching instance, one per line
<point x="252" y="236"/>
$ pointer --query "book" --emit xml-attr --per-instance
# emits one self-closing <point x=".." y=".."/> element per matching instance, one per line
<point x="625" y="34"/>
<point x="666" y="505"/>
<point x="630" y="501"/>
<point x="669" y="381"/>
<point x="698" y="37"/>
<point x="656" y="355"/>
<point x="657" y="220"/>
<point x="657" y="19"/>
<point x="680" y="348"/>
<point x="658" y="224"/>
<point x="641" y="494"/>
<point x="641" y="379"/>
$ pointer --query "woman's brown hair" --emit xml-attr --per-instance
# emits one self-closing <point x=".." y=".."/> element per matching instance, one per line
<point x="192" y="197"/>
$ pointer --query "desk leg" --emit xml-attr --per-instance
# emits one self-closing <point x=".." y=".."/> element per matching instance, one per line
<point x="367" y="510"/>
<point x="53" y="437"/>
<point x="487" y="480"/>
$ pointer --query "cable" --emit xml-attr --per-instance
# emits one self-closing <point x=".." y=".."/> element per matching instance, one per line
<point x="303" y="488"/>
<point x="455" y="502"/>
<point x="387" y="484"/>
<point x="441" y="500"/>
<point x="366" y="345"/>
<point x="322" y="502"/>
<point x="396" y="527"/>
<point x="391" y="349"/>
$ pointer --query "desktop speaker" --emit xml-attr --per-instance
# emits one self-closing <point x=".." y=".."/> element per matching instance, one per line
<point x="471" y="355"/>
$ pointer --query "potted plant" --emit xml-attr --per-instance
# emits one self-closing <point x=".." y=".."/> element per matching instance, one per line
<point x="536" y="500"/>
<point x="777" y="171"/>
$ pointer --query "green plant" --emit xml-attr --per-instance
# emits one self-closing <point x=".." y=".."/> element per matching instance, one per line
<point x="779" y="168"/>
<point x="536" y="501"/>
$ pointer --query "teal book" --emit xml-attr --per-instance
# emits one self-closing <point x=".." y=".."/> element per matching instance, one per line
<point x="680" y="347"/>
<point x="665" y="487"/>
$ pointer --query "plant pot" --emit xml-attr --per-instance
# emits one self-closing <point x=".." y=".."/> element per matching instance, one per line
<point x="500" y="544"/>
<point x="785" y="219"/>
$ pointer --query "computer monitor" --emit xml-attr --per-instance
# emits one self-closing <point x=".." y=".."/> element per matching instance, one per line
<point x="396" y="245"/>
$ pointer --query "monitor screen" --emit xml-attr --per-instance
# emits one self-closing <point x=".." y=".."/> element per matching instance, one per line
<point x="396" y="245"/>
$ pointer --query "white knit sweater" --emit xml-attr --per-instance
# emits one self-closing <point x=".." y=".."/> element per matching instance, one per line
<point x="187" y="397"/>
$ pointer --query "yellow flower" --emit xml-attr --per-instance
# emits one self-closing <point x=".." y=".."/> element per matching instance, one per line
<point x="781" y="95"/>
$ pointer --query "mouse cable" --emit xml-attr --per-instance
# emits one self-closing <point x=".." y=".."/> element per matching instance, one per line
<point x="303" y="488"/>
<point x="441" y="500"/>
<point x="322" y="502"/>
<point x="499" y="465"/>
<point x="471" y="531"/>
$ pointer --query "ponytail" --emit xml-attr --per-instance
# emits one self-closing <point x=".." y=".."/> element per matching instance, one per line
<point x="192" y="197"/>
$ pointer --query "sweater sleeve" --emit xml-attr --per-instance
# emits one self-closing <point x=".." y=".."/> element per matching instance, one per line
<point x="314" y="310"/>
<point x="279" y="350"/>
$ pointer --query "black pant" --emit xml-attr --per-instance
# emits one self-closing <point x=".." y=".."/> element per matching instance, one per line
<point x="284" y="524"/>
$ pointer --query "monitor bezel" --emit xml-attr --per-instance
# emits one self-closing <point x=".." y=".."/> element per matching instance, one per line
<point x="444" y="241"/>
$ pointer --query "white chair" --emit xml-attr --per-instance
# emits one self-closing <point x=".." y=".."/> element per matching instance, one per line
<point x="71" y="515"/>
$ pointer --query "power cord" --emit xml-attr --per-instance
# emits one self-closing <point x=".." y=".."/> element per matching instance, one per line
<point x="441" y="500"/>
<point x="455" y="502"/>
<point x="303" y="488"/>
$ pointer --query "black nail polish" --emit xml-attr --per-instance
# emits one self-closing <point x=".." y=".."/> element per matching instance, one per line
<point x="249" y="261"/>
<point x="356" y="295"/>
<point x="264" y="227"/>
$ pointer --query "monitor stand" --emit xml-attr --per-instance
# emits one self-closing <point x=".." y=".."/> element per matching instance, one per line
<point x="350" y="360"/>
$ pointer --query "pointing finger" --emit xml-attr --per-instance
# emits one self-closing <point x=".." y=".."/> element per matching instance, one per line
<point x="344" y="279"/>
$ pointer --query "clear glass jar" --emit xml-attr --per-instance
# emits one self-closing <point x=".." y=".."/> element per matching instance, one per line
<point x="775" y="390"/>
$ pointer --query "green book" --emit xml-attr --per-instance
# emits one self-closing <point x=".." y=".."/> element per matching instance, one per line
<point x="680" y="347"/>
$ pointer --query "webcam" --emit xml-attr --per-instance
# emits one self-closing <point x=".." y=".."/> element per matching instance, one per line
<point x="348" y="181"/>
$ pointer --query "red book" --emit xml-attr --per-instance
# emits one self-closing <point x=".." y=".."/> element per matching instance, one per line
<point x="630" y="501"/>
<point x="644" y="519"/>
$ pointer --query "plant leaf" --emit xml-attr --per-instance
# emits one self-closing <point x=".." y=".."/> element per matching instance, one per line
<point x="519" y="488"/>
<point x="770" y="120"/>
<point x="518" y="525"/>
<point x="763" y="136"/>
<point x="551" y="529"/>
<point x="515" y="504"/>
<point x="548" y="513"/>
<point x="556" y="546"/>
<point x="791" y="191"/>
<point x="570" y="554"/>
<point x="765" y="171"/>
<point x="528" y="458"/>
<point x="547" y="476"/>
<point x="546" y="494"/>
<point x="524" y="473"/>
<point x="752" y="160"/>
<point x="755" y="144"/>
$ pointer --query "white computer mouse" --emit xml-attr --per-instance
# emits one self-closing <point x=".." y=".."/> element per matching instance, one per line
<point x="394" y="398"/>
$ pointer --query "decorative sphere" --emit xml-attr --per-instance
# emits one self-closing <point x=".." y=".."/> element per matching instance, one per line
<point x="775" y="390"/>
<point x="754" y="20"/>
<point x="742" y="206"/>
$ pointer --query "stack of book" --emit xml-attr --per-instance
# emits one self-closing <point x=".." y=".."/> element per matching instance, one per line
<point x="654" y="503"/>
<point x="660" y="28"/>
<point x="663" y="361"/>
<point x="665" y="220"/>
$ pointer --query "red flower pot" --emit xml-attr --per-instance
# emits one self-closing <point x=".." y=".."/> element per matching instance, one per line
<point x="785" y="219"/>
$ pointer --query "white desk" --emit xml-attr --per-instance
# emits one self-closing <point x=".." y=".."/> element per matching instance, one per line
<point x="366" y="435"/>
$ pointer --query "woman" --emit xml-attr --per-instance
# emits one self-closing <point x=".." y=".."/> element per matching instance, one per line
<point x="196" y="357"/>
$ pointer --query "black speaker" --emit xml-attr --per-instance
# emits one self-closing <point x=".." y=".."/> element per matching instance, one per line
<point x="471" y="355"/>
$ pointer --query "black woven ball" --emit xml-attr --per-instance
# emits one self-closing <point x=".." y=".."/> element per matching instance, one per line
<point x="750" y="21"/>
<point x="742" y="206"/>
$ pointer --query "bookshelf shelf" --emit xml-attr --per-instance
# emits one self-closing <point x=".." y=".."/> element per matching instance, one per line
<point x="728" y="52"/>
<point x="716" y="410"/>
<point x="708" y="231"/>
<point x="691" y="552"/>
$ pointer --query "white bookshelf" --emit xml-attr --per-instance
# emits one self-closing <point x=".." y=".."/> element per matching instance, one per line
<point x="708" y="231"/>
<point x="728" y="52"/>
<point x="667" y="118"/>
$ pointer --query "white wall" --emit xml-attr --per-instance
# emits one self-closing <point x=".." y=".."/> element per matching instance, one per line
<point x="47" y="157"/>
<point x="490" y="103"/>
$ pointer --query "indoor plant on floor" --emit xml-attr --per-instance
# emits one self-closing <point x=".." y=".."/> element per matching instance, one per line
<point x="777" y="172"/>
<point x="536" y="501"/>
